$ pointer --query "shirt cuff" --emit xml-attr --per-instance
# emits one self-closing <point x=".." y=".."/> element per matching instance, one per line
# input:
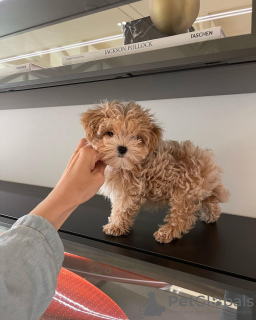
<point x="47" y="230"/>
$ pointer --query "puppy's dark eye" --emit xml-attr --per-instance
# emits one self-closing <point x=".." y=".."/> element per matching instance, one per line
<point x="139" y="138"/>
<point x="110" y="133"/>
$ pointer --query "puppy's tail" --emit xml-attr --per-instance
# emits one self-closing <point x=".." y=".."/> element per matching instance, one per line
<point x="221" y="193"/>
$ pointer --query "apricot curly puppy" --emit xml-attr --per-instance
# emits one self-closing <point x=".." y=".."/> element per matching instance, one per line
<point x="144" y="168"/>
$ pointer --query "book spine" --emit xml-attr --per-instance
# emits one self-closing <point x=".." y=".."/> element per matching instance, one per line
<point x="23" y="67"/>
<point x="167" y="42"/>
<point x="73" y="59"/>
<point x="27" y="67"/>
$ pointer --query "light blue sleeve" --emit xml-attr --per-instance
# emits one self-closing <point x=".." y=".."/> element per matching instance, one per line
<point x="31" y="256"/>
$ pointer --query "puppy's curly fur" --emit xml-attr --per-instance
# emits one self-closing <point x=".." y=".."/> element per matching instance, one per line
<point x="144" y="168"/>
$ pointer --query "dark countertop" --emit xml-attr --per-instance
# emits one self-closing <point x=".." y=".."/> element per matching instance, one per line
<point x="226" y="247"/>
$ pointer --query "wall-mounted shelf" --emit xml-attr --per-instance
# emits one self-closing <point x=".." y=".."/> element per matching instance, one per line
<point x="226" y="51"/>
<point x="199" y="55"/>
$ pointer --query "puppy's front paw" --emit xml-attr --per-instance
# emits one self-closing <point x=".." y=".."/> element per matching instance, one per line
<point x="163" y="235"/>
<point x="115" y="230"/>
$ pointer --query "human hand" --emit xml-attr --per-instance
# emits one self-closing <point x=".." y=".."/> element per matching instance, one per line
<point x="80" y="181"/>
<point x="83" y="176"/>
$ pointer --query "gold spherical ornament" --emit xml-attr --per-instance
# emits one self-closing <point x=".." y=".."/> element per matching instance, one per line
<point x="173" y="16"/>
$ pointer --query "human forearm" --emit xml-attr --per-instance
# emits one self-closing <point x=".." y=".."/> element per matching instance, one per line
<point x="55" y="209"/>
<point x="30" y="260"/>
<point x="80" y="181"/>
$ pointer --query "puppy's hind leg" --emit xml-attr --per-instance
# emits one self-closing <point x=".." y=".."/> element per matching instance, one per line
<point x="179" y="221"/>
<point x="211" y="210"/>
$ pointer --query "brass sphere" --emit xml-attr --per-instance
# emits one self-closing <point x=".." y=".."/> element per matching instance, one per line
<point x="173" y="16"/>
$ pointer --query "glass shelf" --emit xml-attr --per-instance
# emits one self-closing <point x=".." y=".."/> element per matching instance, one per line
<point x="35" y="57"/>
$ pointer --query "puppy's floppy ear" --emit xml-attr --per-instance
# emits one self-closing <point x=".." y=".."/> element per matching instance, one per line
<point x="156" y="136"/>
<point x="91" y="121"/>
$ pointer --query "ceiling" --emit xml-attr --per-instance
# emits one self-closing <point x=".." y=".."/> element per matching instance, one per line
<point x="92" y="26"/>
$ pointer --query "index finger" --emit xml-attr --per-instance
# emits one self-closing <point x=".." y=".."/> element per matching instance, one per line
<point x="89" y="156"/>
<point x="83" y="142"/>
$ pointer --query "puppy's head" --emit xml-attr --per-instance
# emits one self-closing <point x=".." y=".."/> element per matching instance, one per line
<point x="124" y="134"/>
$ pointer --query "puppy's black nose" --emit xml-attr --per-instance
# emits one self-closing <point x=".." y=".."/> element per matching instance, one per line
<point x="122" y="149"/>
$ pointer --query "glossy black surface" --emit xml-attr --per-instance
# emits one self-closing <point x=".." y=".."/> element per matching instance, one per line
<point x="227" y="247"/>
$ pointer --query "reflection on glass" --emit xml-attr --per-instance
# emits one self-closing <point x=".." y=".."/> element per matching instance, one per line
<point x="138" y="300"/>
<point x="96" y="284"/>
<point x="76" y="298"/>
<point x="45" y="47"/>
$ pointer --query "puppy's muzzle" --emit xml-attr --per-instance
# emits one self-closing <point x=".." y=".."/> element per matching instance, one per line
<point x="122" y="150"/>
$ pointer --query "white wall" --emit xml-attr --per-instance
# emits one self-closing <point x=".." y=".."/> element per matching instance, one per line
<point x="36" y="144"/>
